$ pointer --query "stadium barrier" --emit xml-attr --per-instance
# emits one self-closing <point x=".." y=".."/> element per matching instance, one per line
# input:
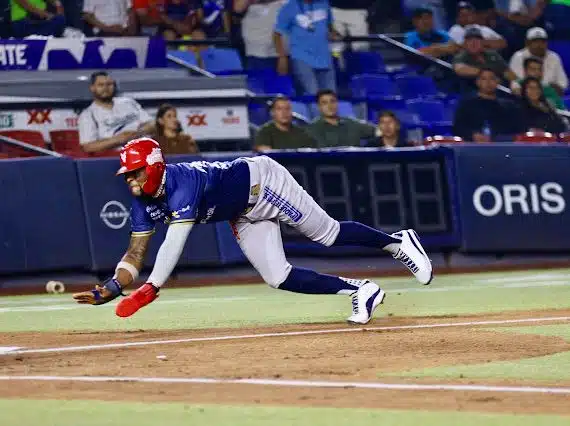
<point x="58" y="213"/>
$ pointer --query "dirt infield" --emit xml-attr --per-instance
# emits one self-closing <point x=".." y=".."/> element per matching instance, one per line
<point x="332" y="353"/>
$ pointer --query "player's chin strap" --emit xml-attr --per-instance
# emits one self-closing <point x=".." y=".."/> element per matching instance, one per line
<point x="113" y="286"/>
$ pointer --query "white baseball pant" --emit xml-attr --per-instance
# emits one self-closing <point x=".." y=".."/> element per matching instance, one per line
<point x="277" y="197"/>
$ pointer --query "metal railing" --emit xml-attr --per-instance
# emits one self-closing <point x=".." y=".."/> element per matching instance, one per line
<point x="28" y="147"/>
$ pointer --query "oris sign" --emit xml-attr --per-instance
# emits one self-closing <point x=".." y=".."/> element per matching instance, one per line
<point x="513" y="198"/>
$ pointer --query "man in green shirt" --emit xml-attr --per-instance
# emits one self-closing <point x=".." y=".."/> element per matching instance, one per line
<point x="281" y="132"/>
<point x="31" y="17"/>
<point x="534" y="67"/>
<point x="331" y="130"/>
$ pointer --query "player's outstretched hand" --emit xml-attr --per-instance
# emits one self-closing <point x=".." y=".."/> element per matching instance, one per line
<point x="100" y="294"/>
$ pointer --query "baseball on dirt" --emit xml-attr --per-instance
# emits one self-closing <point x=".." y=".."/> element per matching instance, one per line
<point x="55" y="287"/>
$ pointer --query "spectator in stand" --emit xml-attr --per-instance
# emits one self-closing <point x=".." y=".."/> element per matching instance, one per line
<point x="466" y="19"/>
<point x="148" y="13"/>
<point x="533" y="68"/>
<point x="111" y="121"/>
<point x="307" y="25"/>
<point x="485" y="117"/>
<point x="537" y="45"/>
<point x="214" y="17"/>
<point x="169" y="133"/>
<point x="515" y="17"/>
<point x="281" y="132"/>
<point x="32" y="17"/>
<point x="538" y="114"/>
<point x="426" y="39"/>
<point x="436" y="7"/>
<point x="389" y="132"/>
<point x="350" y="17"/>
<point x="484" y="10"/>
<point x="110" y="18"/>
<point x="468" y="63"/>
<point x="331" y="130"/>
<point x="258" y="22"/>
<point x="172" y="19"/>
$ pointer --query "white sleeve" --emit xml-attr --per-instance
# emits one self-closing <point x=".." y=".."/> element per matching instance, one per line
<point x="456" y="34"/>
<point x="169" y="252"/>
<point x="490" y="34"/>
<point x="516" y="64"/>
<point x="560" y="77"/>
<point x="88" y="131"/>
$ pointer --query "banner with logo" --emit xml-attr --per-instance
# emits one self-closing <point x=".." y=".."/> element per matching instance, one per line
<point x="208" y="123"/>
<point x="513" y="198"/>
<point x="89" y="53"/>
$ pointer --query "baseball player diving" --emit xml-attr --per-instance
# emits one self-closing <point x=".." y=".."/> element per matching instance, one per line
<point x="254" y="194"/>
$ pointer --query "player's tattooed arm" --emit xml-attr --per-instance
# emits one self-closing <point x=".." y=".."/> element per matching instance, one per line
<point x="125" y="274"/>
<point x="132" y="262"/>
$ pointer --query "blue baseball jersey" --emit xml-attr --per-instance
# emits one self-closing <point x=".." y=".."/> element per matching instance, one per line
<point x="197" y="192"/>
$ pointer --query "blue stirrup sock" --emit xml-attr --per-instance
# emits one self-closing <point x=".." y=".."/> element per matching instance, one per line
<point x="358" y="234"/>
<point x="301" y="280"/>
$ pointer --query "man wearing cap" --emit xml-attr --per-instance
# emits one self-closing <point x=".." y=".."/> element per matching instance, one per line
<point x="469" y="62"/>
<point x="466" y="19"/>
<point x="426" y="38"/>
<point x="537" y="45"/>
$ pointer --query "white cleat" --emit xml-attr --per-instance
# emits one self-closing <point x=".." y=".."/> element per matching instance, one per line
<point x="365" y="301"/>
<point x="413" y="256"/>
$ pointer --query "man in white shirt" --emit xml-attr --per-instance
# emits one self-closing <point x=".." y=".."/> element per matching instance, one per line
<point x="537" y="45"/>
<point x="466" y="18"/>
<point x="111" y="121"/>
<point x="110" y="18"/>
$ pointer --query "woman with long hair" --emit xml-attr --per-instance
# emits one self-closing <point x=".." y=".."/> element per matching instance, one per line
<point x="537" y="112"/>
<point x="169" y="133"/>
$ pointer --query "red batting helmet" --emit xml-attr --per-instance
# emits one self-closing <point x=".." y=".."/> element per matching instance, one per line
<point x="144" y="153"/>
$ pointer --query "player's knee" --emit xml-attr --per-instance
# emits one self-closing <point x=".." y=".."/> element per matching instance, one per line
<point x="276" y="278"/>
<point x="326" y="233"/>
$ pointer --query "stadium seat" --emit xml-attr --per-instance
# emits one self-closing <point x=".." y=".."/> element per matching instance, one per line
<point x="430" y="111"/>
<point x="64" y="140"/>
<point x="302" y="109"/>
<point x="184" y="55"/>
<point x="32" y="137"/>
<point x="279" y="84"/>
<point x="536" y="137"/>
<point x="374" y="87"/>
<point x="221" y="60"/>
<point x="363" y="63"/>
<point x="416" y="86"/>
<point x="258" y="113"/>
<point x="104" y="154"/>
<point x="564" y="137"/>
<point x="256" y="85"/>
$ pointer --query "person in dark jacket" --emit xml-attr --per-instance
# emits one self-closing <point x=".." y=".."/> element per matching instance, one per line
<point x="538" y="114"/>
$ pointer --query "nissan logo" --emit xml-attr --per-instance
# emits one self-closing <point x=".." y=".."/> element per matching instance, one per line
<point x="114" y="214"/>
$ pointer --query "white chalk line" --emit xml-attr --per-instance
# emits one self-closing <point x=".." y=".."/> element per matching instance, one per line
<point x="27" y="307"/>
<point x="297" y="383"/>
<point x="284" y="334"/>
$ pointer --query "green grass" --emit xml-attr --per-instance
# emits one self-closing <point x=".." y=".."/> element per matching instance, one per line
<point x="86" y="413"/>
<point x="253" y="305"/>
<point x="550" y="367"/>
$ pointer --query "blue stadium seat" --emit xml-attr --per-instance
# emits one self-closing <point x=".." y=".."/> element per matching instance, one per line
<point x="374" y="87"/>
<point x="282" y="84"/>
<point x="258" y="113"/>
<point x="184" y="55"/>
<point x="363" y="63"/>
<point x="416" y="86"/>
<point x="256" y="85"/>
<point x="302" y="109"/>
<point x="221" y="60"/>
<point x="345" y="109"/>
<point x="431" y="112"/>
